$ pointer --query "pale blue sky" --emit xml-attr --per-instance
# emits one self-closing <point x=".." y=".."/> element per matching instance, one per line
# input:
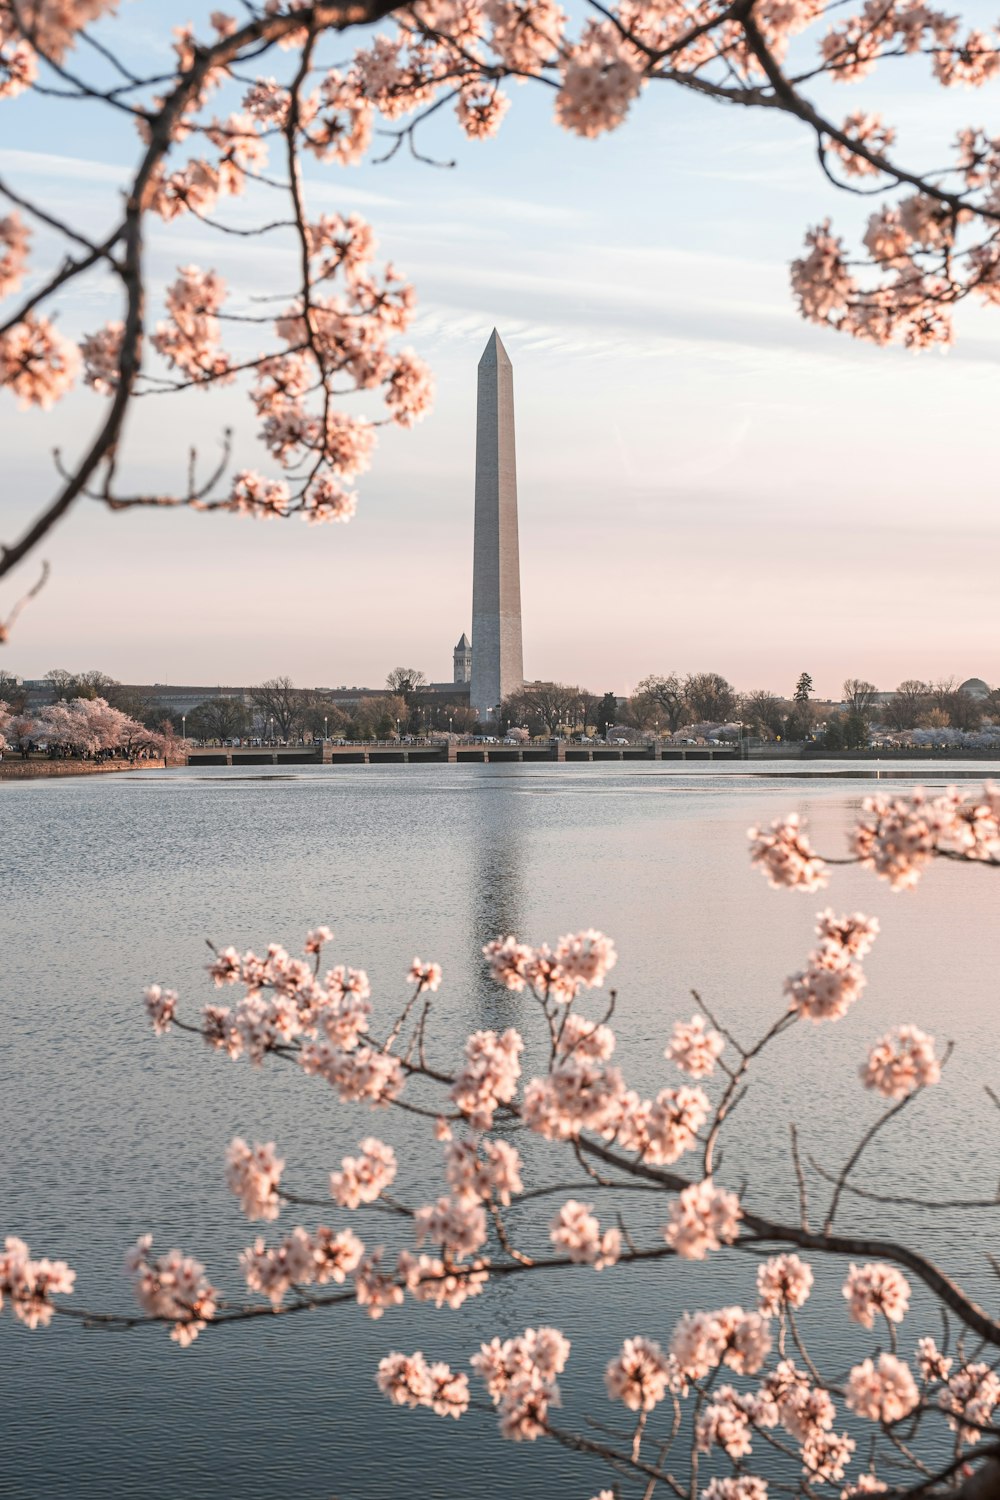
<point x="705" y="481"/>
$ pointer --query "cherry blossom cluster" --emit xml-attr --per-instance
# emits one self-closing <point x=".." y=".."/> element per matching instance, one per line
<point x="882" y="1390"/>
<point x="31" y="1284"/>
<point x="833" y="979"/>
<point x="475" y="1226"/>
<point x="365" y="1177"/>
<point x="301" y="1259"/>
<point x="897" y="837"/>
<point x="481" y="1171"/>
<point x="695" y="1047"/>
<point x="969" y="1397"/>
<point x="408" y="1380"/>
<point x="703" y="1341"/>
<point x="253" y="1174"/>
<point x="703" y="1218"/>
<point x="901" y="1062"/>
<point x="576" y="1230"/>
<point x="783" y="1281"/>
<point x="579" y="961"/>
<point x="521" y="1379"/>
<point x="172" y="1288"/>
<point x="640" y="1375"/>
<point x="876" y="1288"/>
<point x="785" y="857"/>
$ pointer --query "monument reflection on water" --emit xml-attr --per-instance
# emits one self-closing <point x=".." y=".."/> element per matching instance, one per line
<point x="106" y="1132"/>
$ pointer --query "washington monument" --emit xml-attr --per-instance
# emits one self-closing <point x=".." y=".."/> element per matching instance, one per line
<point x="497" y="665"/>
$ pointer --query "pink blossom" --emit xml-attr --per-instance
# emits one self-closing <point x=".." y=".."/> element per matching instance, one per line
<point x="805" y="1412"/>
<point x="661" y="1130"/>
<point x="426" y="976"/>
<point x="481" y="108"/>
<point x="525" y="36"/>
<point x="489" y="1076"/>
<point x="253" y="1175"/>
<point x="897" y="837"/>
<point x="301" y="1259"/>
<point x="825" y="1455"/>
<point x="18" y="68"/>
<point x="586" y="957"/>
<point x="101" y="353"/>
<point x="736" y="1487"/>
<point x="576" y="1230"/>
<point x="868" y="130"/>
<point x="189" y="340"/>
<point x="520" y="1377"/>
<point x="315" y="939"/>
<point x="783" y="1281"/>
<point x="702" y="1218"/>
<point x="580" y="960"/>
<point x="599" y="82"/>
<point x="865" y="1484"/>
<point x="409" y="389"/>
<point x="374" y="1288"/>
<point x="509" y="962"/>
<point x="458" y="1227"/>
<point x="362" y="1179"/>
<point x="724" y="1424"/>
<point x="493" y="1174"/>
<point x="54" y="25"/>
<point x="161" y="1005"/>
<point x="641" y="1374"/>
<point x="703" y="1340"/>
<point x="785" y="857"/>
<point x="172" y="1287"/>
<point x="31" y="1283"/>
<point x="365" y="1074"/>
<point x="856" y="934"/>
<point x="576" y="1095"/>
<point x="585" y="1038"/>
<point x="335" y="1254"/>
<point x="253" y="495"/>
<point x="327" y="500"/>
<point x="885" y="1392"/>
<point x="14" y="240"/>
<point x="408" y="1380"/>
<point x="901" y="1062"/>
<point x="969" y="1398"/>
<point x="37" y="363"/>
<point x="876" y="1288"/>
<point x="694" y="1049"/>
<point x="831" y="981"/>
<point x="241" y="148"/>
<point x="932" y="1364"/>
<point x="824" y="289"/>
<point x="428" y="1279"/>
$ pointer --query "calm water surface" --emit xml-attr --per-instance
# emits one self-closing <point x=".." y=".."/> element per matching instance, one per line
<point x="105" y="1132"/>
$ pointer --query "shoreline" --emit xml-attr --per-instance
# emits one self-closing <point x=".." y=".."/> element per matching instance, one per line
<point x="27" y="770"/>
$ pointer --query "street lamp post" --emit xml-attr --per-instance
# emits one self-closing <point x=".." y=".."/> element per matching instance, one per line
<point x="326" y="724"/>
<point x="184" y="721"/>
<point x="270" y="733"/>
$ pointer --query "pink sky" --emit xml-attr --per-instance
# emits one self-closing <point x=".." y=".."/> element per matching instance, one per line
<point x="705" y="482"/>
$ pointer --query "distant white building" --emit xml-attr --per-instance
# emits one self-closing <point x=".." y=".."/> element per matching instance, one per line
<point x="975" y="687"/>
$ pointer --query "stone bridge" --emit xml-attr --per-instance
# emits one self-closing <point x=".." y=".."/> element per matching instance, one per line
<point x="448" y="754"/>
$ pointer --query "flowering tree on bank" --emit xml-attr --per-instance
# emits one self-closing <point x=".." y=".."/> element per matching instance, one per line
<point x="732" y="1403"/>
<point x="243" y="104"/>
<point x="85" y="726"/>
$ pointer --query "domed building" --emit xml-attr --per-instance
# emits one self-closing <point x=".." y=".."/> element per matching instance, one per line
<point x="975" y="687"/>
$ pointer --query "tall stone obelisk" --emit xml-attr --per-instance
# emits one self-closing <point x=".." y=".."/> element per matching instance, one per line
<point x="497" y="665"/>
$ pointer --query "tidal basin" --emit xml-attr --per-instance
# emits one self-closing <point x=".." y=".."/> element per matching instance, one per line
<point x="107" y="1132"/>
